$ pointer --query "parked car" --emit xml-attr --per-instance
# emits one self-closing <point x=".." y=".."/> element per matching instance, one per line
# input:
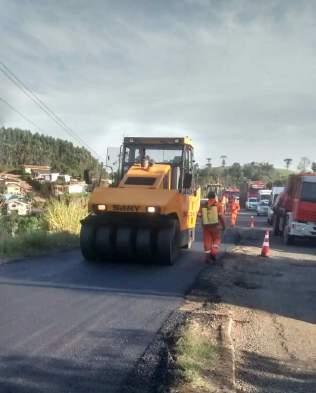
<point x="262" y="208"/>
<point x="252" y="203"/>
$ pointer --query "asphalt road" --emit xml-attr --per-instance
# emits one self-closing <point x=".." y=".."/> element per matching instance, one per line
<point x="69" y="326"/>
<point x="244" y="219"/>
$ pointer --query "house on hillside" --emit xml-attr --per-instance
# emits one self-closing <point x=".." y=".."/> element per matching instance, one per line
<point x="11" y="187"/>
<point x="41" y="176"/>
<point x="51" y="177"/>
<point x="72" y="188"/>
<point x="17" y="206"/>
<point x="58" y="189"/>
<point x="77" y="188"/>
<point x="30" y="169"/>
<point x="64" y="179"/>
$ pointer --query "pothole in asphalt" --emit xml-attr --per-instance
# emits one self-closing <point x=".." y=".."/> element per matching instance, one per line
<point x="246" y="285"/>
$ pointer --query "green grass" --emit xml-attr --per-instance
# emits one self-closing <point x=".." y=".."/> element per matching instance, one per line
<point x="36" y="243"/>
<point x="195" y="356"/>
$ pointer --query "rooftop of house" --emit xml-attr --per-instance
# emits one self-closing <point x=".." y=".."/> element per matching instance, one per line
<point x="12" y="181"/>
<point x="42" y="172"/>
<point x="8" y="178"/>
<point x="36" y="167"/>
<point x="16" y="201"/>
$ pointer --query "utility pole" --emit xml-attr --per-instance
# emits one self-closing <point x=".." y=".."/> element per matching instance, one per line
<point x="209" y="166"/>
<point x="223" y="158"/>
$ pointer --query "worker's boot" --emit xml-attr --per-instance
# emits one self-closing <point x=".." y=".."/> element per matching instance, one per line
<point x="207" y="257"/>
<point x="213" y="257"/>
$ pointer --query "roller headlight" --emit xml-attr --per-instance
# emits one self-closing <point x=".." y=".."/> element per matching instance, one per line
<point x="101" y="208"/>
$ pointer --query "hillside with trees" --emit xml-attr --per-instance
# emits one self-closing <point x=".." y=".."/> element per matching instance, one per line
<point x="19" y="147"/>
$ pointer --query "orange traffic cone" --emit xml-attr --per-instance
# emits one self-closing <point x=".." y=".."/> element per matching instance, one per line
<point x="266" y="246"/>
<point x="252" y="222"/>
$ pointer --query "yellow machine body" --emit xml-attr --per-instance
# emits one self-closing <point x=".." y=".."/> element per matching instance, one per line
<point x="153" y="209"/>
<point x="138" y="198"/>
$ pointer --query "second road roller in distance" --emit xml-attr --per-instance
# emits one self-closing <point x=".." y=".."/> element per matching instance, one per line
<point x="151" y="213"/>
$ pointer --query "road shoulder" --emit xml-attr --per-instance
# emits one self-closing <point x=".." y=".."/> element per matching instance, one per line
<point x="259" y="314"/>
<point x="158" y="369"/>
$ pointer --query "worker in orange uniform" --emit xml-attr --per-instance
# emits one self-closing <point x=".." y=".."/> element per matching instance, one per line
<point x="212" y="216"/>
<point x="234" y="210"/>
<point x="224" y="201"/>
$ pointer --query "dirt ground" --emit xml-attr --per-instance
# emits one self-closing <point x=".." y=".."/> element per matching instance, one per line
<point x="272" y="305"/>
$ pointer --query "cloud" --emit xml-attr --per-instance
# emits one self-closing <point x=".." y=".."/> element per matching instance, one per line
<point x="233" y="74"/>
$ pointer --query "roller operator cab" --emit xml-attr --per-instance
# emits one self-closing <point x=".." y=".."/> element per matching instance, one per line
<point x="151" y="213"/>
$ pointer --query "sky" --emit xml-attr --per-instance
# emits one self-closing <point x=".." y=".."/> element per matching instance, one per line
<point x="238" y="77"/>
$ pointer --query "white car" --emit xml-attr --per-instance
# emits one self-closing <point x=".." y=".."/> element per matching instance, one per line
<point x="252" y="203"/>
<point x="263" y="208"/>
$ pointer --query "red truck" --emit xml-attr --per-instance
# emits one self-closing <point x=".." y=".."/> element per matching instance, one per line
<point x="250" y="189"/>
<point x="295" y="209"/>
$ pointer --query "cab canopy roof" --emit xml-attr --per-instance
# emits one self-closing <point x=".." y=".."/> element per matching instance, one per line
<point x="157" y="141"/>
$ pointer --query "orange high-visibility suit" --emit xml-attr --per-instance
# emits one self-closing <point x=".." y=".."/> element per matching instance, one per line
<point x="212" y="232"/>
<point x="234" y="210"/>
<point x="223" y="202"/>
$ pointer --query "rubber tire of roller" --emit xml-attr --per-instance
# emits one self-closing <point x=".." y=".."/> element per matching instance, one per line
<point x="167" y="245"/>
<point x="124" y="246"/>
<point x="104" y="243"/>
<point x="87" y="242"/>
<point x="143" y="243"/>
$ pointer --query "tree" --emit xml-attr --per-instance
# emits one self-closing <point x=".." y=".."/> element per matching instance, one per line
<point x="235" y="172"/>
<point x="288" y="162"/>
<point x="19" y="147"/>
<point x="304" y="164"/>
<point x="280" y="182"/>
<point x="314" y="166"/>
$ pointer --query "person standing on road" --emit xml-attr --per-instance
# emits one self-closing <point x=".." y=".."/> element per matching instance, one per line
<point x="223" y="201"/>
<point x="212" y="216"/>
<point x="234" y="210"/>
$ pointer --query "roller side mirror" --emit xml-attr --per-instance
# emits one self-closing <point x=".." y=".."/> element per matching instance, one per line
<point x="87" y="176"/>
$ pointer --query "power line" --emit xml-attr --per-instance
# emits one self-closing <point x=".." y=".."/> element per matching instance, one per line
<point x="30" y="121"/>
<point x="21" y="114"/>
<point x="14" y="79"/>
<point x="44" y="107"/>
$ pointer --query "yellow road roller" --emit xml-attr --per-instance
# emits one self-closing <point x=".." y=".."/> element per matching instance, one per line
<point x="152" y="210"/>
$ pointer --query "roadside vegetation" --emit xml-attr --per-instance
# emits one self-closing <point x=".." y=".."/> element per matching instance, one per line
<point x="64" y="216"/>
<point x="195" y="355"/>
<point x="57" y="228"/>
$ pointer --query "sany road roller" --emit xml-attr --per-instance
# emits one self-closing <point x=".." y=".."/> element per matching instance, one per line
<point x="151" y="213"/>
